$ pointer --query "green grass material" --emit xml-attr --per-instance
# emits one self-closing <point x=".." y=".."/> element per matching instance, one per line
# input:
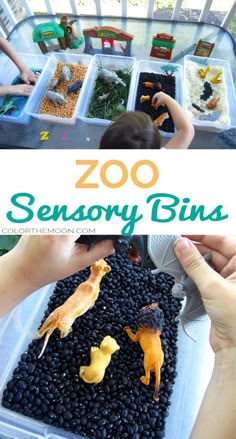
<point x="116" y="102"/>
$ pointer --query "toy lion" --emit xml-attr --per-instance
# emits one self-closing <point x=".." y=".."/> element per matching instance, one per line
<point x="100" y="359"/>
<point x="150" y="323"/>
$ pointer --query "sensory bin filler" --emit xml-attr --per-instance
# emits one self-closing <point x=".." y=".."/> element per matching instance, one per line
<point x="209" y="95"/>
<point x="150" y="78"/>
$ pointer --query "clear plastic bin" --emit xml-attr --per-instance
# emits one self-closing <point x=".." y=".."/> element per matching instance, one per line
<point x="203" y="63"/>
<point x="18" y="328"/>
<point x="9" y="72"/>
<point x="107" y="62"/>
<point x="156" y="67"/>
<point x="42" y="85"/>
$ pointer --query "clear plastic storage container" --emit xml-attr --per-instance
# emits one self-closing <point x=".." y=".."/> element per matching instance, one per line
<point x="156" y="67"/>
<point x="8" y="74"/>
<point x="107" y="62"/>
<point x="42" y="85"/>
<point x="225" y="92"/>
<point x="19" y="328"/>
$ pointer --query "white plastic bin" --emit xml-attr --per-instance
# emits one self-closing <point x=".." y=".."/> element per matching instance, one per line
<point x="107" y="62"/>
<point x="156" y="67"/>
<point x="9" y="72"/>
<point x="225" y="91"/>
<point x="44" y="81"/>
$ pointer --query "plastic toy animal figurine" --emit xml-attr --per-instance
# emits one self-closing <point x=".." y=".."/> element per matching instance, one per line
<point x="132" y="245"/>
<point x="197" y="107"/>
<point x="103" y="97"/>
<point x="6" y="107"/>
<point x="53" y="86"/>
<point x="203" y="72"/>
<point x="144" y="98"/>
<point x="110" y="77"/>
<point x="66" y="73"/>
<point x="185" y="287"/>
<point x="210" y="116"/>
<point x="76" y="305"/>
<point x="161" y="119"/>
<point x="100" y="360"/>
<point x="161" y="252"/>
<point x="159" y="86"/>
<point x="153" y="85"/>
<point x="150" y="323"/>
<point x="217" y="79"/>
<point x="73" y="88"/>
<point x="207" y="91"/>
<point x="148" y="84"/>
<point x="56" y="98"/>
<point x="213" y="103"/>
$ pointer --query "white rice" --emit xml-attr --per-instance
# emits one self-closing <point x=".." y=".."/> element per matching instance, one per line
<point x="194" y="87"/>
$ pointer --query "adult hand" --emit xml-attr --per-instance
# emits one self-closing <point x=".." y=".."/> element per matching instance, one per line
<point x="38" y="260"/>
<point x="217" y="287"/>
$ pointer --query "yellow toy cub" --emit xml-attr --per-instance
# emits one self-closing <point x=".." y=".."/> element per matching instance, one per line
<point x="100" y="359"/>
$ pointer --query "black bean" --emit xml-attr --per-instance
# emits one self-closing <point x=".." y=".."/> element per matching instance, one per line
<point x="21" y="385"/>
<point x="18" y="396"/>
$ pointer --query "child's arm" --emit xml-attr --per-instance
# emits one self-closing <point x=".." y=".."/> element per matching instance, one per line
<point x="16" y="90"/>
<point x="182" y="122"/>
<point x="26" y="74"/>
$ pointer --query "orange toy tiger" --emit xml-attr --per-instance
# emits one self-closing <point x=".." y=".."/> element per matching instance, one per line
<point x="150" y="322"/>
<point x="77" y="304"/>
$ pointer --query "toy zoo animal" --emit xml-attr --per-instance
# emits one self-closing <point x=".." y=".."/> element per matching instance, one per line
<point x="76" y="305"/>
<point x="54" y="84"/>
<point x="161" y="119"/>
<point x="100" y="359"/>
<point x="73" y="88"/>
<point x="110" y="77"/>
<point x="66" y="73"/>
<point x="56" y="98"/>
<point x="150" y="323"/>
<point x="161" y="251"/>
<point x="132" y="245"/>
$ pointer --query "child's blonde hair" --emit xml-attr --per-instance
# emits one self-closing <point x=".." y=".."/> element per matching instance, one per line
<point x="131" y="130"/>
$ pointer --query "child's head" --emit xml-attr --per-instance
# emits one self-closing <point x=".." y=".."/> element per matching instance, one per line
<point x="131" y="130"/>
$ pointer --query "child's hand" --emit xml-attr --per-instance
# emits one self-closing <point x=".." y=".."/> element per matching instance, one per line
<point x="159" y="99"/>
<point x="52" y="257"/>
<point x="28" y="76"/>
<point x="20" y="89"/>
